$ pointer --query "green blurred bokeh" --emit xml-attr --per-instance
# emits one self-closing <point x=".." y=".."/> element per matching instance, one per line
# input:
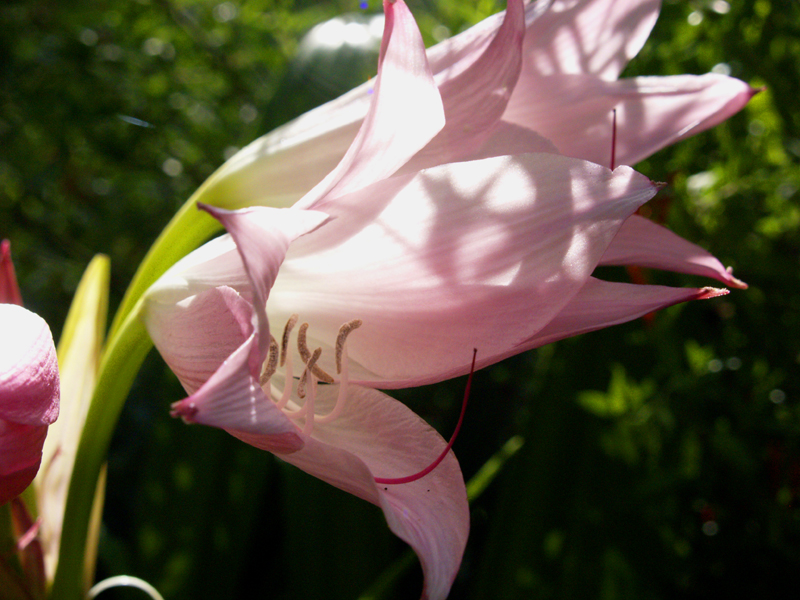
<point x="661" y="458"/>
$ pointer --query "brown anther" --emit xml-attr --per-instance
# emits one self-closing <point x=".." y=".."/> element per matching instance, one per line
<point x="310" y="365"/>
<point x="302" y="344"/>
<point x="344" y="331"/>
<point x="271" y="364"/>
<point x="305" y="354"/>
<point x="285" y="341"/>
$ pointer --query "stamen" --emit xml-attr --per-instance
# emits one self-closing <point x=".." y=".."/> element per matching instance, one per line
<point x="287" y="386"/>
<point x="308" y="426"/>
<point x="341" y="369"/>
<point x="435" y="463"/>
<point x="302" y="347"/>
<point x="613" y="137"/>
<point x="285" y="341"/>
<point x="344" y="331"/>
<point x="312" y="359"/>
<point x="271" y="364"/>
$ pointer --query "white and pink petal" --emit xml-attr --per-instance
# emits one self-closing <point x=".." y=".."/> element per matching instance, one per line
<point x="29" y="382"/>
<point x="475" y="99"/>
<point x="602" y="304"/>
<point x="262" y="236"/>
<point x="481" y="253"/>
<point x="233" y="400"/>
<point x="377" y="437"/>
<point x="196" y="335"/>
<point x="406" y="112"/>
<point x="651" y="112"/>
<point x="596" y="37"/>
<point x="642" y="243"/>
<point x="29" y="396"/>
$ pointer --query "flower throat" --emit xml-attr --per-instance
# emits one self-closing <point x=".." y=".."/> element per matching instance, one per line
<point x="312" y="373"/>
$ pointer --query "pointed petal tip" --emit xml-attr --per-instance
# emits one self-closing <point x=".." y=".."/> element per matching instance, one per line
<point x="184" y="409"/>
<point x="9" y="290"/>
<point x="707" y="293"/>
<point x="212" y="210"/>
<point x="733" y="281"/>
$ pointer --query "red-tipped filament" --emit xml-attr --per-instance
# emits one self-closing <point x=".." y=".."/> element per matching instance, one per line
<point x="440" y="458"/>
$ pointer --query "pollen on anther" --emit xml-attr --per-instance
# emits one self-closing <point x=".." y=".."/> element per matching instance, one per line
<point x="305" y="354"/>
<point x="302" y="344"/>
<point x="313" y="358"/>
<point x="344" y="331"/>
<point x="271" y="364"/>
<point x="285" y="340"/>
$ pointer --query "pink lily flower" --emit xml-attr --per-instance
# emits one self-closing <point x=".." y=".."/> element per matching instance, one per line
<point x="29" y="385"/>
<point x="392" y="269"/>
<point x="552" y="87"/>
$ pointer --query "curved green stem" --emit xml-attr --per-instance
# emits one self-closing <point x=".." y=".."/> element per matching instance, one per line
<point x="118" y="368"/>
<point x="186" y="231"/>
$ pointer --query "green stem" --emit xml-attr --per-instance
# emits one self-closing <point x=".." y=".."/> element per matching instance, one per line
<point x="119" y="366"/>
<point x="186" y="231"/>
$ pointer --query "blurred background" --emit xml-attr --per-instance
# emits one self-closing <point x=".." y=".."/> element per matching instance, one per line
<point x="661" y="458"/>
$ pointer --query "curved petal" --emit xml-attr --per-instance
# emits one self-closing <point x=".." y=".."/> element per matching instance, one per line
<point x="15" y="483"/>
<point x="405" y="113"/>
<point x="476" y="98"/>
<point x="233" y="400"/>
<point x="376" y="436"/>
<point x="9" y="290"/>
<point x="282" y="166"/>
<point x="481" y="254"/>
<point x="29" y="385"/>
<point x="508" y="139"/>
<point x="262" y="236"/>
<point x="643" y="243"/>
<point x="231" y="397"/>
<point x="451" y="57"/>
<point x="592" y="36"/>
<point x="196" y="335"/>
<point x="21" y="446"/>
<point x="215" y="263"/>
<point x="602" y="304"/>
<point x="652" y="112"/>
<point x="20" y="455"/>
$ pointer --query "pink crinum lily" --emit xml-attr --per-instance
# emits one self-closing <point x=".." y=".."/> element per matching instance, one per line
<point x="556" y="74"/>
<point x="29" y="385"/>
<point x="443" y="228"/>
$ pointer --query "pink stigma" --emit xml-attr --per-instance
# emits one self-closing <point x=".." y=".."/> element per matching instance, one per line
<point x="440" y="458"/>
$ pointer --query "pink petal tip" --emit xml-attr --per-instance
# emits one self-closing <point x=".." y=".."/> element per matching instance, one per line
<point x="711" y="292"/>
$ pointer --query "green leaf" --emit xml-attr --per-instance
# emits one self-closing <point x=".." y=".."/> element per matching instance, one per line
<point x="119" y="366"/>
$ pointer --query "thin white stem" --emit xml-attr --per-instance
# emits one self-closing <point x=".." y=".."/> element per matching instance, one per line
<point x="342" y="397"/>
<point x="311" y="395"/>
<point x="288" y="383"/>
<point x="124" y="581"/>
